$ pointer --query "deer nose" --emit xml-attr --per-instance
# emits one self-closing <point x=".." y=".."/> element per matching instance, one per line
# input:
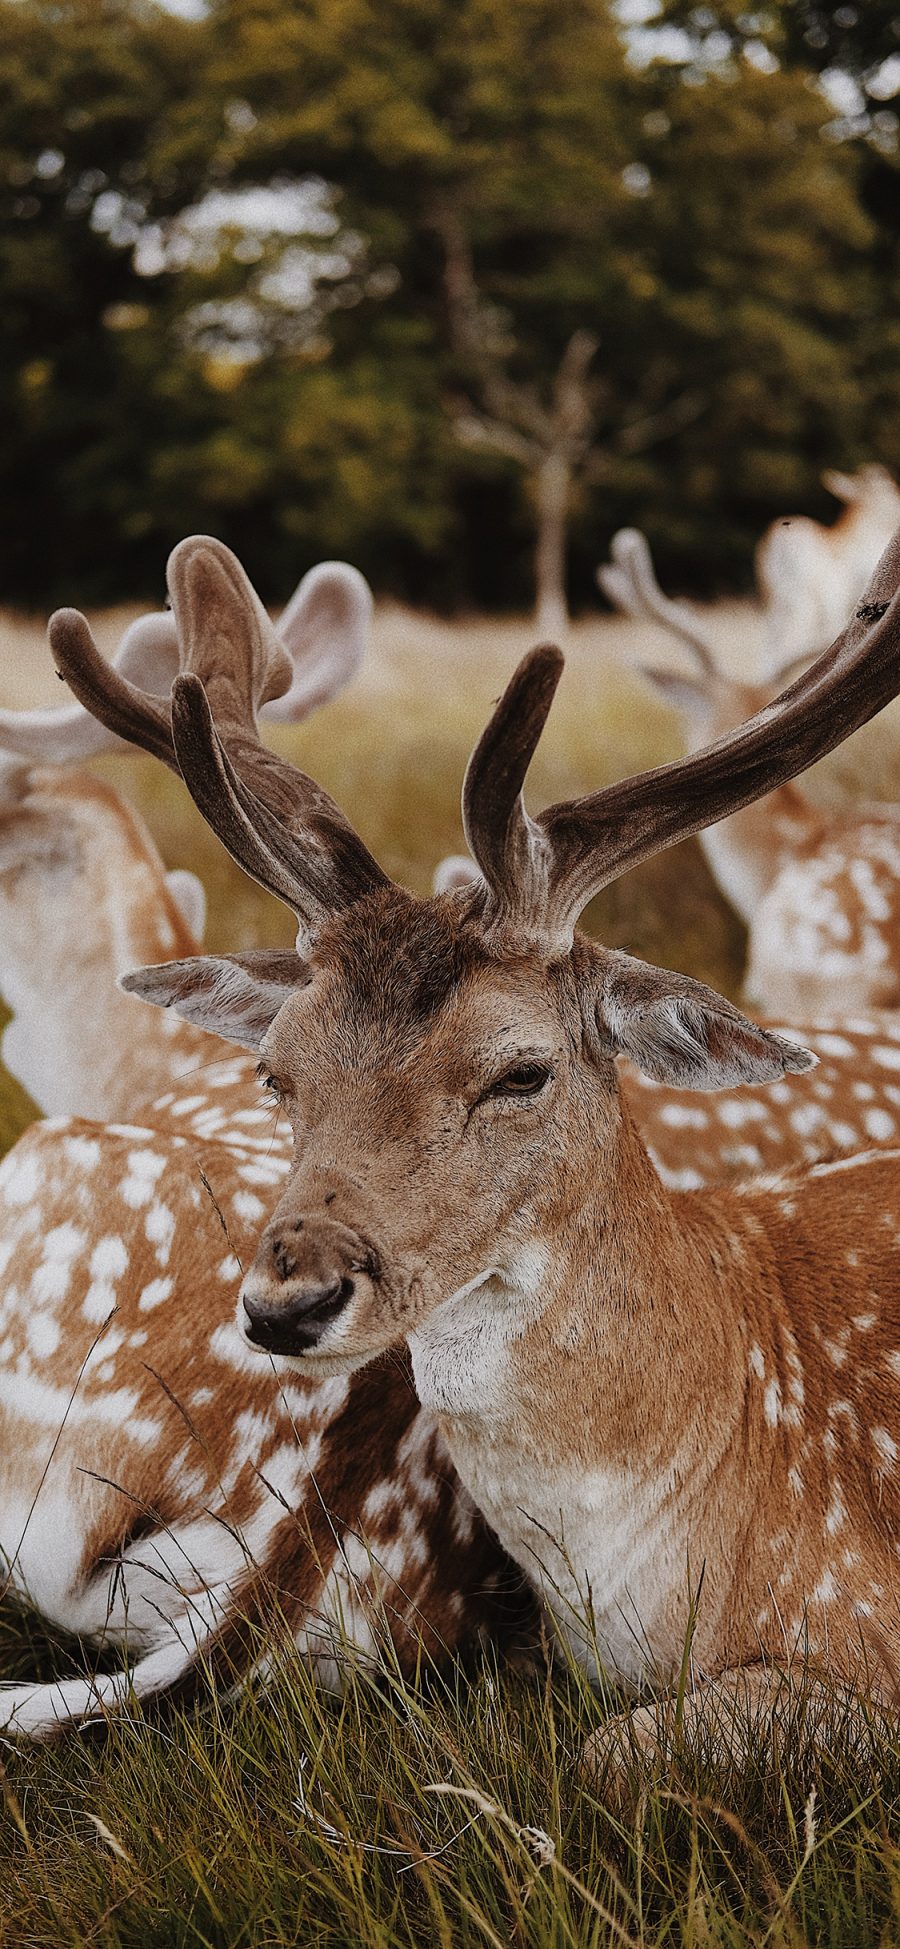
<point x="295" y="1324"/>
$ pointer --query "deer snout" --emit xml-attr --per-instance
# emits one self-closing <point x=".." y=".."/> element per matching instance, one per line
<point x="303" y="1276"/>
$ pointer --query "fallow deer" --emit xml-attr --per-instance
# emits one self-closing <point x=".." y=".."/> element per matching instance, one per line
<point x="820" y="892"/>
<point x="159" y="1488"/>
<point x="634" y="1384"/>
<point x="83" y="892"/>
<point x="809" y="576"/>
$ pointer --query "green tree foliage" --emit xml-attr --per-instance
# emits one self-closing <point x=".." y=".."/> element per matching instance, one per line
<point x="484" y="185"/>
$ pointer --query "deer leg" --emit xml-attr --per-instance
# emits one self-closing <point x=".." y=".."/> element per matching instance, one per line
<point x="734" y="1715"/>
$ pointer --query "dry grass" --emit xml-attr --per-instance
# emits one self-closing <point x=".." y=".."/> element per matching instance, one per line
<point x="449" y="1816"/>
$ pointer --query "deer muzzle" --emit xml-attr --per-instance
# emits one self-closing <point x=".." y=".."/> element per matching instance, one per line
<point x="305" y="1273"/>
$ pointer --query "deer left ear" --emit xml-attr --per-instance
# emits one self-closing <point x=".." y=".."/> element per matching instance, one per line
<point x="233" y="995"/>
<point x="682" y="1033"/>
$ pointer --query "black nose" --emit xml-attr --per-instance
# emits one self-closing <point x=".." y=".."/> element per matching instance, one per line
<point x="294" y="1325"/>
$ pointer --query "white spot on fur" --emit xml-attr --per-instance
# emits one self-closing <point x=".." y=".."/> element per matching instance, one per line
<point x="772" y="1403"/>
<point x="679" y="1116"/>
<point x="159" y="1226"/>
<point x="248" y="1206"/>
<point x="43" y="1335"/>
<point x="19" y="1178"/>
<point x="155" y="1293"/>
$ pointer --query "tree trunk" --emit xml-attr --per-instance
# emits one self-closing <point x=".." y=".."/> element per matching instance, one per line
<point x="551" y="496"/>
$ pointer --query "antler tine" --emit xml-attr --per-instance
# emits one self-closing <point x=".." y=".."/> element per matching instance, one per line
<point x="508" y="846"/>
<point x="225" y="634"/>
<point x="303" y="848"/>
<point x="595" y="839"/>
<point x="129" y="713"/>
<point x="66" y="734"/>
<point x="629" y="581"/>
<point x="305" y="852"/>
<point x="324" y="628"/>
<point x="244" y="665"/>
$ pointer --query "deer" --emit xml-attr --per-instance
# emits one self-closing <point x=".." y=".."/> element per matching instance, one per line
<point x="160" y="1492"/>
<point x="83" y="892"/>
<point x="635" y="1384"/>
<point x="819" y="891"/>
<point x="809" y="576"/>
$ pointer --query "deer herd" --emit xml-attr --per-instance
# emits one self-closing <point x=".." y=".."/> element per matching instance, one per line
<point x="450" y="1270"/>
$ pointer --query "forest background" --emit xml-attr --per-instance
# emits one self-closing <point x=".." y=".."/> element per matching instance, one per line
<point x="454" y="288"/>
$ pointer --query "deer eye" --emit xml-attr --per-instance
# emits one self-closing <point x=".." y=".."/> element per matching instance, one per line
<point x="267" y="1080"/>
<point x="526" y="1079"/>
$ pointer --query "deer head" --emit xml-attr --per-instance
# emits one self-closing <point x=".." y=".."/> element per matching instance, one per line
<point x="448" y="1064"/>
<point x="710" y="700"/>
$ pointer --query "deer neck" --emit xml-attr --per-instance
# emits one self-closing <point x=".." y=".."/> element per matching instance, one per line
<point x="75" y="1042"/>
<point x="603" y="1375"/>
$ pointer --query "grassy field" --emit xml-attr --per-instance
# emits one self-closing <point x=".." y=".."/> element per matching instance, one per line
<point x="454" y="1813"/>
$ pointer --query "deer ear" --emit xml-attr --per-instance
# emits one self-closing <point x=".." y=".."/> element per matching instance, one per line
<point x="189" y="895"/>
<point x="682" y="1033"/>
<point x="233" y="995"/>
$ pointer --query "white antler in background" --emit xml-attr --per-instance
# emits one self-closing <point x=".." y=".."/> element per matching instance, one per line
<point x="628" y="580"/>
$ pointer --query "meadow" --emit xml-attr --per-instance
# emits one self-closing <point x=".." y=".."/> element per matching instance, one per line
<point x="453" y="1812"/>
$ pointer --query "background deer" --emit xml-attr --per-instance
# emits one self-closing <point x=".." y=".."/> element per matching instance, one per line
<point x="820" y="892"/>
<point x="83" y="892"/>
<point x="629" y="1379"/>
<point x="810" y="576"/>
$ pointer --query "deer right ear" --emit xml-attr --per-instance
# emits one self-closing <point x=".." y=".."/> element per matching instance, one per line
<point x="236" y="996"/>
<point x="681" y="1033"/>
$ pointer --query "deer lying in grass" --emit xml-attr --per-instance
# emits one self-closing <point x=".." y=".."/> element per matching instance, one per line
<point x="633" y="1383"/>
<point x="810" y="576"/>
<point x="161" y="1488"/>
<point x="83" y="893"/>
<point x="820" y="892"/>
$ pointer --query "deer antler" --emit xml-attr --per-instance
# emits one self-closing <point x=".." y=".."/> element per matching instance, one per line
<point x="575" y="849"/>
<point x="325" y="629"/>
<point x="256" y="801"/>
<point x="629" y="582"/>
<point x="62" y="735"/>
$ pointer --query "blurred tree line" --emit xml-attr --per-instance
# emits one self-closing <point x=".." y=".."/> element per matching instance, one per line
<point x="452" y="287"/>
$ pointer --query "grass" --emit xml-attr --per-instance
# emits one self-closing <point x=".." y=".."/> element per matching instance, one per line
<point x="292" y="1818"/>
<point x="453" y="1813"/>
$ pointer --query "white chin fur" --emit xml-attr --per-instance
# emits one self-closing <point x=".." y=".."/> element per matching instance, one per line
<point x="315" y="1365"/>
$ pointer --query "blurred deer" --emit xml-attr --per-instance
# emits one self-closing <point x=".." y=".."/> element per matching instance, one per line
<point x="810" y="576"/>
<point x="83" y="892"/>
<point x="626" y="1377"/>
<point x="820" y="892"/>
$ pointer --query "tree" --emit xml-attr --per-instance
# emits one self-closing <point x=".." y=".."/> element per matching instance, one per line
<point x="538" y="291"/>
<point x="535" y="194"/>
